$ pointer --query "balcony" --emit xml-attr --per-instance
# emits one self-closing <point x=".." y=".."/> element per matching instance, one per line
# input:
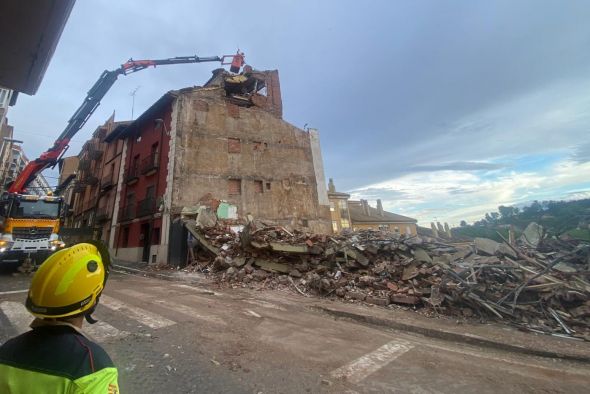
<point x="94" y="151"/>
<point x="132" y="175"/>
<point x="79" y="187"/>
<point x="103" y="214"/>
<point x="90" y="179"/>
<point x="149" y="165"/>
<point x="84" y="165"/>
<point x="106" y="183"/>
<point x="146" y="207"/>
<point x="127" y="212"/>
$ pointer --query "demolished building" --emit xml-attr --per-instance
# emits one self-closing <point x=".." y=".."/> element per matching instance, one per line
<point x="224" y="145"/>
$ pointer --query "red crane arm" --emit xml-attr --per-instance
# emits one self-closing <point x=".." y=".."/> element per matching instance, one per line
<point x="92" y="101"/>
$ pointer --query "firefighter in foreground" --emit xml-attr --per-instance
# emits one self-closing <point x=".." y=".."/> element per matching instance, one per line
<point x="55" y="356"/>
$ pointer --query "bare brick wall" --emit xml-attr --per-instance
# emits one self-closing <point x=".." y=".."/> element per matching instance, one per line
<point x="274" y="164"/>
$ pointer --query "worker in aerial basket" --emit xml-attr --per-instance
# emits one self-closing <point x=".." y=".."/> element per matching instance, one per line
<point x="56" y="356"/>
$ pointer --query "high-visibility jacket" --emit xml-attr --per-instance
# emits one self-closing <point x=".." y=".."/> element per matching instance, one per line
<point x="55" y="358"/>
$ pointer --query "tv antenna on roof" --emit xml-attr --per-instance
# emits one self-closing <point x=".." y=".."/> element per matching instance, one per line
<point x="132" y="94"/>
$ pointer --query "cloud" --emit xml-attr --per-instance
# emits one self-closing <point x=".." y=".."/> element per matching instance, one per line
<point x="453" y="195"/>
<point x="582" y="153"/>
<point x="457" y="166"/>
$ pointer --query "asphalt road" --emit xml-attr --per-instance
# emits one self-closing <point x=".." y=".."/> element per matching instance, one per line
<point x="179" y="338"/>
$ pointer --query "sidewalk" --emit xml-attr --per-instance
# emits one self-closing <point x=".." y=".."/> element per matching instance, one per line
<point x="491" y="335"/>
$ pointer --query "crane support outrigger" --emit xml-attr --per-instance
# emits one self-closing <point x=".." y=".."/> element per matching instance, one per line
<point x="29" y="224"/>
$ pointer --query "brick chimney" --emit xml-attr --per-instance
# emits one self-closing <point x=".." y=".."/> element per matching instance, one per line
<point x="365" y="206"/>
<point x="331" y="187"/>
<point x="380" y="208"/>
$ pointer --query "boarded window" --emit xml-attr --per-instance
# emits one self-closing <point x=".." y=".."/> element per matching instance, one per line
<point x="234" y="145"/>
<point x="233" y="110"/>
<point x="258" y="187"/>
<point x="234" y="186"/>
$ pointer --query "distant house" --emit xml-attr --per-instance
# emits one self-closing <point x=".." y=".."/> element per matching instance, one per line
<point x="338" y="208"/>
<point x="359" y="215"/>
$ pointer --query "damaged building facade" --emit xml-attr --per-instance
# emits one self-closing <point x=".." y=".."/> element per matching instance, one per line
<point x="224" y="145"/>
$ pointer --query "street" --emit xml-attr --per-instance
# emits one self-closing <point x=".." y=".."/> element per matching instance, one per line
<point x="179" y="337"/>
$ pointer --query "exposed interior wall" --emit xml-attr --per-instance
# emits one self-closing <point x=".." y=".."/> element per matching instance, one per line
<point x="247" y="156"/>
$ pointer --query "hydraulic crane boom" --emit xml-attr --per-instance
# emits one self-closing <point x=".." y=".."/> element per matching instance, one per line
<point x="92" y="101"/>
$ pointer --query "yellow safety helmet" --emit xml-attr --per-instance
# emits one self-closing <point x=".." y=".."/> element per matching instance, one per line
<point x="70" y="281"/>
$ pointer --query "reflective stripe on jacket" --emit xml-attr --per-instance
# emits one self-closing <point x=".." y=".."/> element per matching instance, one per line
<point x="55" y="359"/>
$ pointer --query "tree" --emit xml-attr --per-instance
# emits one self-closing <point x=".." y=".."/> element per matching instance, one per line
<point x="506" y="212"/>
<point x="463" y="223"/>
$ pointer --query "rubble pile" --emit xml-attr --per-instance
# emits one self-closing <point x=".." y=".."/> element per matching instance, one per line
<point x="541" y="286"/>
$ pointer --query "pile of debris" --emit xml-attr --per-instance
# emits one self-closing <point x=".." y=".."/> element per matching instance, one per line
<point x="540" y="284"/>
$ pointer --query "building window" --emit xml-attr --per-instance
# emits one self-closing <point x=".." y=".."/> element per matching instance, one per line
<point x="384" y="227"/>
<point x="234" y="145"/>
<point x="332" y="206"/>
<point x="258" y="187"/>
<point x="267" y="185"/>
<point x="408" y="231"/>
<point x="125" y="237"/>
<point x="343" y="205"/>
<point x="396" y="229"/>
<point x="234" y="186"/>
<point x="335" y="226"/>
<point x="344" y="223"/>
<point x="156" y="236"/>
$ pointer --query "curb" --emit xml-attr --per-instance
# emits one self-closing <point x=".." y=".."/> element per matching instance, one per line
<point x="157" y="275"/>
<point x="451" y="336"/>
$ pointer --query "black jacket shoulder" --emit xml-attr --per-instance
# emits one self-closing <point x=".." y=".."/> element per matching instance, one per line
<point x="55" y="350"/>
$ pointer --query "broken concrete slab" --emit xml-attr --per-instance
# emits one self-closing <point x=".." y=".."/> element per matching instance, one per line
<point x="533" y="234"/>
<point x="270" y="266"/>
<point x="506" y="250"/>
<point x="486" y="246"/>
<point x="288" y="248"/>
<point x="359" y="257"/>
<point x="422" y="256"/>
<point x="206" y="217"/>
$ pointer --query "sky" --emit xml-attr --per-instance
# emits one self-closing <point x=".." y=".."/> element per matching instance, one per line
<point x="443" y="110"/>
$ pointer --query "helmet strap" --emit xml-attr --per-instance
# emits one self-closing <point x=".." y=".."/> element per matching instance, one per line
<point x="90" y="319"/>
<point x="89" y="312"/>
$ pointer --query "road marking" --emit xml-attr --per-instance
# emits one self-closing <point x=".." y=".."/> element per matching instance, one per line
<point x="362" y="367"/>
<point x="184" y="309"/>
<point x="18" y="315"/>
<point x="102" y="331"/>
<point x="147" y="318"/>
<point x="199" y="290"/>
<point x="252" y="313"/>
<point x="14" y="292"/>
